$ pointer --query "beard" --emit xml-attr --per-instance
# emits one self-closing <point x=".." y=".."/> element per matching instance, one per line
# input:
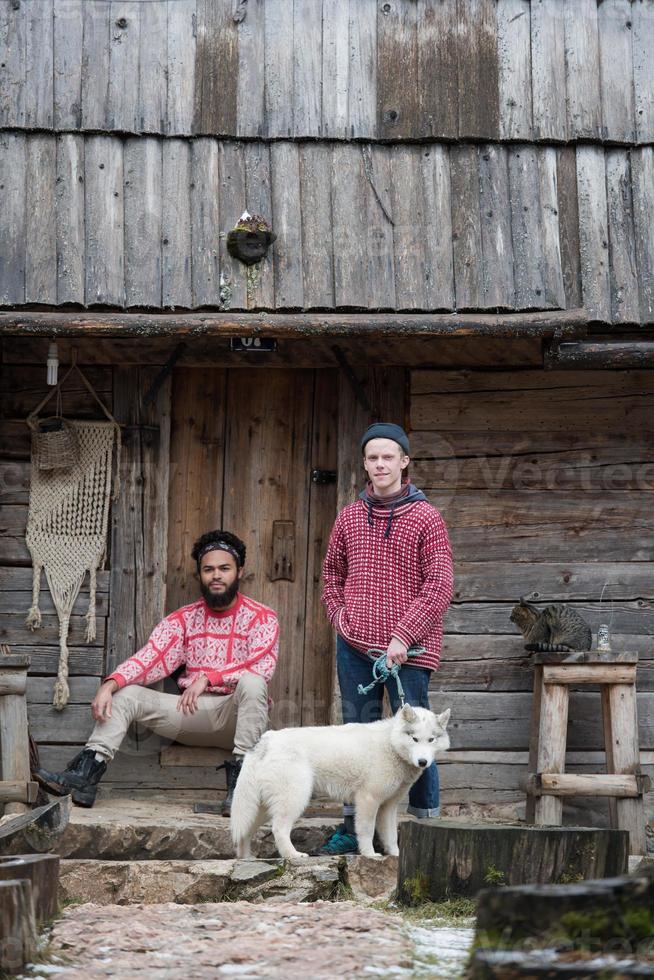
<point x="219" y="600"/>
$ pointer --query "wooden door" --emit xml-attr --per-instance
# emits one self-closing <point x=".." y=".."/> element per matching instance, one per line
<point x="244" y="443"/>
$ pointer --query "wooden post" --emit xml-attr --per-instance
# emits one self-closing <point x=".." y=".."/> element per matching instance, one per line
<point x="626" y="759"/>
<point x="530" y="810"/>
<point x="14" y="739"/>
<point x="551" y="748"/>
<point x="607" y="728"/>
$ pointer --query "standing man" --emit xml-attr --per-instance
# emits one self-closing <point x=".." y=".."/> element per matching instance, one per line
<point x="387" y="584"/>
<point x="227" y="644"/>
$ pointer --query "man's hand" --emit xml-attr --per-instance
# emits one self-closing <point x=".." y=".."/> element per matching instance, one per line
<point x="101" y="703"/>
<point x="396" y="653"/>
<point x="188" y="701"/>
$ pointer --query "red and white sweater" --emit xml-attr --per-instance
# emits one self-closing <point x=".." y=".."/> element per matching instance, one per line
<point x="377" y="587"/>
<point x="221" y="644"/>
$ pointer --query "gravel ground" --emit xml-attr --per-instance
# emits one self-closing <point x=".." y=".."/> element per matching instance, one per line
<point x="310" y="941"/>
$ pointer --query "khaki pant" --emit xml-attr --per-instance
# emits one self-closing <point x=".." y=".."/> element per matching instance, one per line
<point x="234" y="722"/>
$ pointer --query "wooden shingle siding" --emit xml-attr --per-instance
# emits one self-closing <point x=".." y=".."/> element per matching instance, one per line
<point x="642" y="171"/>
<point x="143" y="234"/>
<point x="342" y="69"/>
<point x="68" y="33"/>
<point x="40" y="230"/>
<point x="181" y="66"/>
<point x="12" y="226"/>
<point x="69" y="217"/>
<point x="514" y="49"/>
<point x="643" y="45"/>
<point x="142" y="222"/>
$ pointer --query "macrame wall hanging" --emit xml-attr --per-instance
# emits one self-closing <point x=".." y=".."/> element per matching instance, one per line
<point x="68" y="515"/>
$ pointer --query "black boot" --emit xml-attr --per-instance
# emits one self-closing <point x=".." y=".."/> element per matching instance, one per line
<point x="80" y="778"/>
<point x="232" y="770"/>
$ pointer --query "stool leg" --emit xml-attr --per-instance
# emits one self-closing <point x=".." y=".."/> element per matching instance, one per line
<point x="14" y="744"/>
<point x="607" y="725"/>
<point x="626" y="759"/>
<point x="551" y="748"/>
<point x="530" y="809"/>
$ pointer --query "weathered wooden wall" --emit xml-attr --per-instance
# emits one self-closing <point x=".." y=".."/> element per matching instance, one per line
<point x="142" y="222"/>
<point x="553" y="70"/>
<point x="131" y="589"/>
<point x="546" y="482"/>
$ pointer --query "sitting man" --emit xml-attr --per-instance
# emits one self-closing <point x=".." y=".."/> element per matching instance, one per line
<point x="227" y="644"/>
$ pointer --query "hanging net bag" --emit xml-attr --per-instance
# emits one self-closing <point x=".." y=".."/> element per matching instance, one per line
<point x="68" y="515"/>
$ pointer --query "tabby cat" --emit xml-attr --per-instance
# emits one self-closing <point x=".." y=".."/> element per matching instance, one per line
<point x="555" y="628"/>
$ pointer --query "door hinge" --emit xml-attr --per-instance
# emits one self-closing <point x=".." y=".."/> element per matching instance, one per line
<point x="323" y="476"/>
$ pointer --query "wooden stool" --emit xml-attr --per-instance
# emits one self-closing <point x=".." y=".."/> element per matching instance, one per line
<point x="16" y="789"/>
<point x="622" y="783"/>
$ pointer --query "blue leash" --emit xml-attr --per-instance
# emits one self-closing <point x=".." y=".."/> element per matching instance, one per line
<point x="381" y="673"/>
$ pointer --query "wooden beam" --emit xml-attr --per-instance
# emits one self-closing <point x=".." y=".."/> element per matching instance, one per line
<point x="556" y="323"/>
<point x="587" y="784"/>
<point x="600" y="354"/>
<point x="590" y="674"/>
<point x="12" y="791"/>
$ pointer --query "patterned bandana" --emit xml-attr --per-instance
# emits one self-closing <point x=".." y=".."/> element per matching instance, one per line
<point x="219" y="545"/>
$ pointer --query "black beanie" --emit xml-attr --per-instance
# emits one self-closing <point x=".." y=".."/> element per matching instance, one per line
<point x="386" y="430"/>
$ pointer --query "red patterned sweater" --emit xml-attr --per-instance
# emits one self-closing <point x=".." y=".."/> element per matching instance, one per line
<point x="221" y="644"/>
<point x="377" y="587"/>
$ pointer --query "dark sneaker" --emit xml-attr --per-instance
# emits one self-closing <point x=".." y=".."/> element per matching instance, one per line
<point x="341" y="842"/>
<point x="232" y="770"/>
<point x="80" y="778"/>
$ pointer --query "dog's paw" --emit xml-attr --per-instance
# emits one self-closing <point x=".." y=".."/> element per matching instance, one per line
<point x="297" y="857"/>
<point x="371" y="854"/>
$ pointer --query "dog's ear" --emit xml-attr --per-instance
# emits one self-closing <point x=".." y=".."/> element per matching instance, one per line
<point x="443" y="719"/>
<point x="408" y="713"/>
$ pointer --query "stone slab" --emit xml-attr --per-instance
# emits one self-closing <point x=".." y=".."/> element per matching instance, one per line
<point x="190" y="882"/>
<point x="136" y="830"/>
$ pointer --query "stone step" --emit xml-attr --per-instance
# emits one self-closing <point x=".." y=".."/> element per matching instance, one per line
<point x="141" y="830"/>
<point x="190" y="882"/>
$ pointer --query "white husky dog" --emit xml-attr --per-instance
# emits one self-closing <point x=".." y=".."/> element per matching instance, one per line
<point x="371" y="765"/>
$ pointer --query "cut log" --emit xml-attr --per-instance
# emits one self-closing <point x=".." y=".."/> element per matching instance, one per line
<point x="17" y="926"/>
<point x="591" y="913"/>
<point x="42" y="871"/>
<point x="534" y="324"/>
<point x="439" y="860"/>
<point x="36" y="831"/>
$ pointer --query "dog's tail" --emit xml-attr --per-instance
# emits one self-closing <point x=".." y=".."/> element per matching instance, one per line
<point x="247" y="811"/>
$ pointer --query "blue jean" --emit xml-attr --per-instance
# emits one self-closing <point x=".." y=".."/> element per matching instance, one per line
<point x="354" y="669"/>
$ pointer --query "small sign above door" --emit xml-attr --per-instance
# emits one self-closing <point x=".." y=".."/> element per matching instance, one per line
<point x="259" y="344"/>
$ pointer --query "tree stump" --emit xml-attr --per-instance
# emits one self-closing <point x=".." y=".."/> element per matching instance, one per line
<point x="443" y="859"/>
<point x="521" y="931"/>
<point x="17" y="925"/>
<point x="42" y="871"/>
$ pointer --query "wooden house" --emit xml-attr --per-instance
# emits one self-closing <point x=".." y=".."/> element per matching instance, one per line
<point x="462" y="192"/>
